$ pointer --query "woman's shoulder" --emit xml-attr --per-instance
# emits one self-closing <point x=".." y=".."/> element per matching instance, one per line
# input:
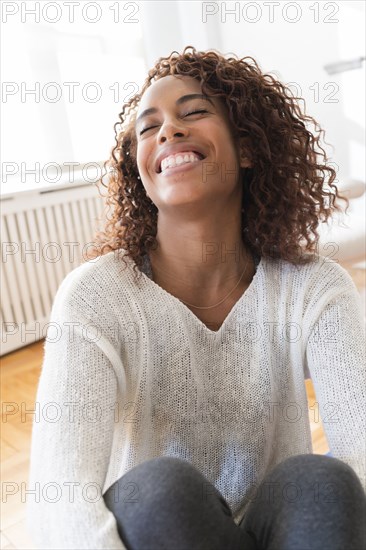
<point x="321" y="269"/>
<point x="314" y="283"/>
<point x="327" y="273"/>
<point x="96" y="281"/>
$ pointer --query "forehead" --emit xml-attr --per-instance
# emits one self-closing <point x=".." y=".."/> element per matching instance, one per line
<point x="168" y="89"/>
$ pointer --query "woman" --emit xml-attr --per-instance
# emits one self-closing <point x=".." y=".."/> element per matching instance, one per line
<point x="184" y="370"/>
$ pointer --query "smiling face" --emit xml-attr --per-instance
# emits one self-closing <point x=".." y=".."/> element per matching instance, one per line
<point x="175" y="119"/>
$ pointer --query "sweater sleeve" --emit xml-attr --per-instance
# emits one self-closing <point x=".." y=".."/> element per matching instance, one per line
<point x="336" y="360"/>
<point x="72" y="436"/>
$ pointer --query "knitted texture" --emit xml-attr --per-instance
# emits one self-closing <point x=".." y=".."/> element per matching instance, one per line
<point x="130" y="373"/>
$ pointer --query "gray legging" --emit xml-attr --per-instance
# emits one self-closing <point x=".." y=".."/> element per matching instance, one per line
<point x="307" y="502"/>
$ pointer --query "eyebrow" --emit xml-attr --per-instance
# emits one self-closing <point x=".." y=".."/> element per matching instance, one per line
<point x="179" y="101"/>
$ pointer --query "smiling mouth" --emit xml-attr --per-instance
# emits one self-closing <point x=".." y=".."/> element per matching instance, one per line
<point x="200" y="155"/>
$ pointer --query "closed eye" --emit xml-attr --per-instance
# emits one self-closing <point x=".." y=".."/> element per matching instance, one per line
<point x="194" y="112"/>
<point x="188" y="114"/>
<point x="146" y="129"/>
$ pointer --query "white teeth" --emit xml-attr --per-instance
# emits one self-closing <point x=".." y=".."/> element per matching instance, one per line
<point x="176" y="160"/>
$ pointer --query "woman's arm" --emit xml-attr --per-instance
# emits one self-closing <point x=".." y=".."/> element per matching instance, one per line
<point x="336" y="360"/>
<point x="72" y="437"/>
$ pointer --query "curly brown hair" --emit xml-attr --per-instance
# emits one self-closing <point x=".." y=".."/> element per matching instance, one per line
<point x="284" y="194"/>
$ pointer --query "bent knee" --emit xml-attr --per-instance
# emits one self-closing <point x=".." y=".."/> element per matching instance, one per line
<point x="316" y="468"/>
<point x="158" y="476"/>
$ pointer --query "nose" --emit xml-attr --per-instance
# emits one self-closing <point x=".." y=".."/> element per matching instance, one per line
<point x="171" y="129"/>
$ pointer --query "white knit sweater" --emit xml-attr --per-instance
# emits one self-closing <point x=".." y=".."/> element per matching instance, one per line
<point x="130" y="373"/>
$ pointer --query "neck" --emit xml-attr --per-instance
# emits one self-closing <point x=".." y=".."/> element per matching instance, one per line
<point x="210" y="257"/>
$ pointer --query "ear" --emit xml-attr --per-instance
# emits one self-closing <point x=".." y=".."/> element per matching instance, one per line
<point x="245" y="155"/>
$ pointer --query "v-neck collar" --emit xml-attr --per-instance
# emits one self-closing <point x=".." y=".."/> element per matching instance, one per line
<point x="147" y="276"/>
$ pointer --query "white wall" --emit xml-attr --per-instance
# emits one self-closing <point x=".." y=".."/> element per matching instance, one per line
<point x="41" y="128"/>
<point x="120" y="52"/>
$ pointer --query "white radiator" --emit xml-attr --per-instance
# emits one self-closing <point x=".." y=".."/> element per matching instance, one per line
<point x="44" y="235"/>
